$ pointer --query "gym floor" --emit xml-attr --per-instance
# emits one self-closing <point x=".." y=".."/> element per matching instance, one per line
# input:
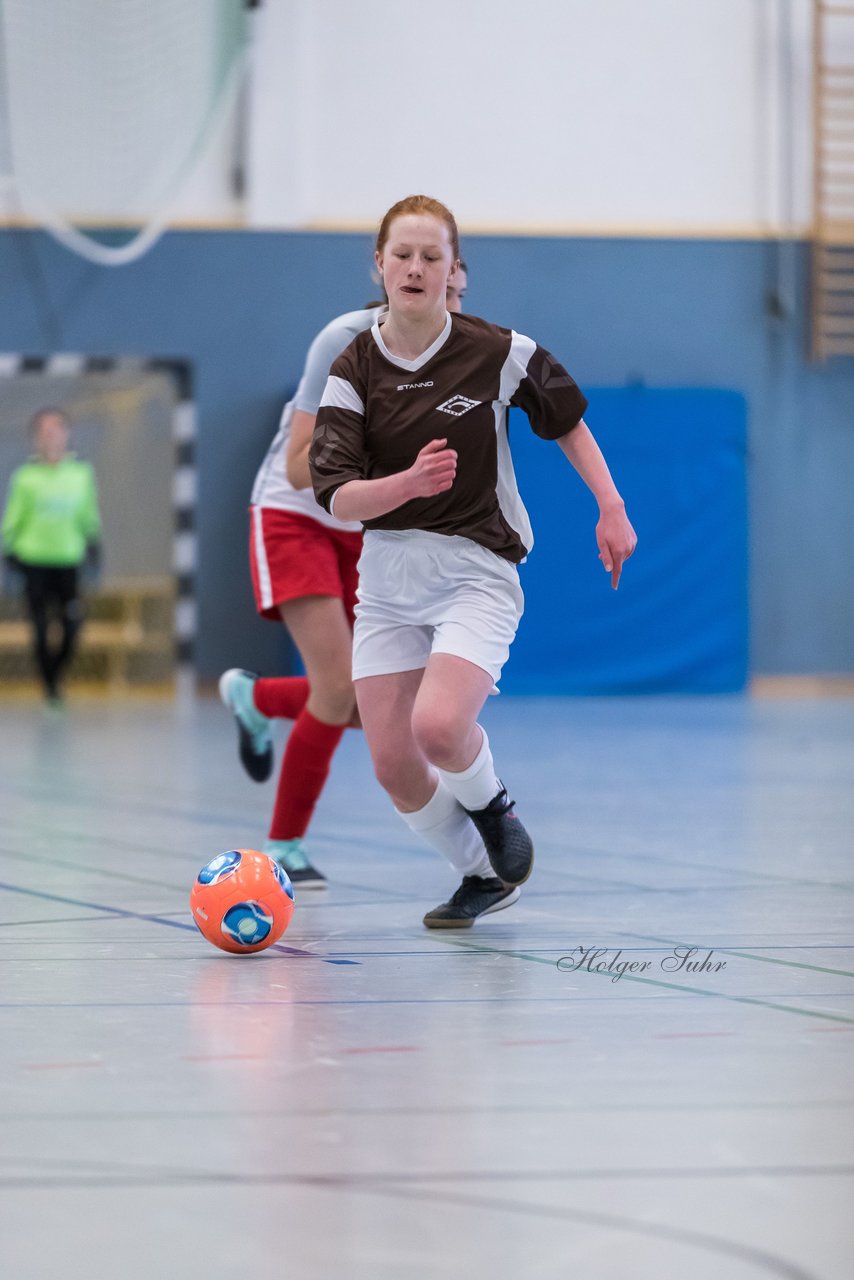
<point x="371" y="1100"/>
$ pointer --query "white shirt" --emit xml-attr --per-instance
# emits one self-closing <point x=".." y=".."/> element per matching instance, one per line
<point x="272" y="487"/>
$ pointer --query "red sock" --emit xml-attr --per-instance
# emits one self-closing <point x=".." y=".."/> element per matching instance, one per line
<point x="305" y="768"/>
<point x="281" y="697"/>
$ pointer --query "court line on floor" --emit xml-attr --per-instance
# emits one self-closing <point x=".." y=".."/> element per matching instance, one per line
<point x="96" y="1173"/>
<point x="747" y="955"/>
<point x="376" y="1001"/>
<point x="579" y="884"/>
<point x="152" y="918"/>
<point x="657" y="982"/>
<point x="351" y="957"/>
<point x="51" y="920"/>
<point x="106" y="872"/>
<point x="373" y="1113"/>
<point x="63" y="865"/>
<point x="591" y="883"/>
<point x="767" y="877"/>
<point x="344" y="1050"/>
<point x="149" y="849"/>
<point x="124" y="805"/>
<point x="198" y="817"/>
<point x="430" y="949"/>
<point x="122" y="913"/>
<point x="780" y="1267"/>
<point x="763" y="878"/>
<point x="394" y="1185"/>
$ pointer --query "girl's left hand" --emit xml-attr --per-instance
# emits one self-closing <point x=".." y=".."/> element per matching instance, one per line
<point x="616" y="540"/>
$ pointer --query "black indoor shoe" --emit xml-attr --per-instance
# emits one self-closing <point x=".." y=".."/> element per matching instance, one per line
<point x="476" y="897"/>
<point x="509" y="847"/>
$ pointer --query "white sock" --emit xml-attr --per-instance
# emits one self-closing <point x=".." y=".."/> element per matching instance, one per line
<point x="475" y="786"/>
<point x="446" y="827"/>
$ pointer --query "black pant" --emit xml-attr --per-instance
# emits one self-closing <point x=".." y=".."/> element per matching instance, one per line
<point x="52" y="592"/>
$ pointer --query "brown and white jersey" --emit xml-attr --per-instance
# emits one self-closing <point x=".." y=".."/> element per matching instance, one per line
<point x="378" y="411"/>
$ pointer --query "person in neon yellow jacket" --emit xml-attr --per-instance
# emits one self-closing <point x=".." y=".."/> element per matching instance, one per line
<point x="51" y="525"/>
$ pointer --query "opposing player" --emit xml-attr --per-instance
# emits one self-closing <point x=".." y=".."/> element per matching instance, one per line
<point x="303" y="562"/>
<point x="411" y="439"/>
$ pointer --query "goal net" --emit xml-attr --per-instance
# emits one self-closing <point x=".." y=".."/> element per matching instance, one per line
<point x="106" y="106"/>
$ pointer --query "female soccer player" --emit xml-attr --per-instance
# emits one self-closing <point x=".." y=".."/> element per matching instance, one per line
<point x="303" y="564"/>
<point x="50" y="526"/>
<point x="411" y="440"/>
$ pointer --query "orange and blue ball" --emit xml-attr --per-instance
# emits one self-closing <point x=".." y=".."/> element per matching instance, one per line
<point x="242" y="901"/>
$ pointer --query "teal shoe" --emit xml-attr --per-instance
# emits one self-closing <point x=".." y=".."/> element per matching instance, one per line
<point x="255" y="739"/>
<point x="291" y="855"/>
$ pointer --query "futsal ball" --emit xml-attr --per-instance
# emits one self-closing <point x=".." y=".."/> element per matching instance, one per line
<point x="242" y="901"/>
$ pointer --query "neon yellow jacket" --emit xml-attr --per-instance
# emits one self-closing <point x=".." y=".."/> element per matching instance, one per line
<point x="51" y="512"/>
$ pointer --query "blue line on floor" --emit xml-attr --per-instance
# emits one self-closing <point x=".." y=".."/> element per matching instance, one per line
<point x="153" y="919"/>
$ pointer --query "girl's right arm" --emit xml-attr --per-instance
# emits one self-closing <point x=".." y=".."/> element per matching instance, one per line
<point x="432" y="472"/>
<point x="13" y="515"/>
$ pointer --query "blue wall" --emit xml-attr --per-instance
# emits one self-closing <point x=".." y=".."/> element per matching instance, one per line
<point x="679" y="620"/>
<point x="244" y="306"/>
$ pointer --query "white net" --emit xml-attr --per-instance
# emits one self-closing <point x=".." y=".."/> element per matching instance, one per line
<point x="106" y="107"/>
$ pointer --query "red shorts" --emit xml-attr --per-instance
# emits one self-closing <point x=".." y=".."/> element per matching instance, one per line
<point x="292" y="556"/>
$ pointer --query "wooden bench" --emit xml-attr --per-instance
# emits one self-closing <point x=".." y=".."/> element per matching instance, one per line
<point x="128" y="628"/>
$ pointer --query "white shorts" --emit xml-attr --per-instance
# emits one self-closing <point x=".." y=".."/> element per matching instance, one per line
<point x="421" y="593"/>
